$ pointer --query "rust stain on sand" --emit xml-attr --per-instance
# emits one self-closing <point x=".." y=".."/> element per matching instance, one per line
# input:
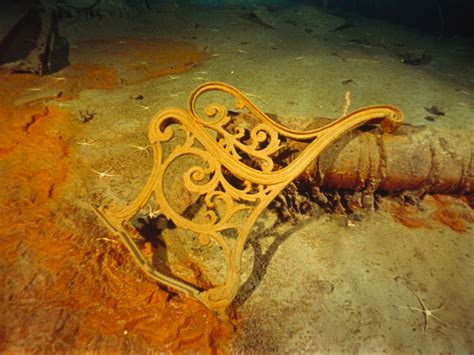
<point x="62" y="289"/>
<point x="137" y="60"/>
<point x="451" y="211"/>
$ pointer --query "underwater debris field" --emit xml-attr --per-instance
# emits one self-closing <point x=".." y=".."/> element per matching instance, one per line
<point x="323" y="282"/>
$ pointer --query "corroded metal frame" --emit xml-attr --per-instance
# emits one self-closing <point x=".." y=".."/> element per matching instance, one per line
<point x="223" y="150"/>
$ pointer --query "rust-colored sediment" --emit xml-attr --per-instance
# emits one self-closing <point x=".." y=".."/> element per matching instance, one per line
<point x="62" y="286"/>
<point x="451" y="211"/>
<point x="136" y="60"/>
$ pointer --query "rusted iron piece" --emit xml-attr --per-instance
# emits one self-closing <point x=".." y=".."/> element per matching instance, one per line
<point x="236" y="177"/>
<point x="416" y="158"/>
<point x="35" y="44"/>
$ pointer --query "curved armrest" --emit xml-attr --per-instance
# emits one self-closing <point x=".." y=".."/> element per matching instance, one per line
<point x="234" y="175"/>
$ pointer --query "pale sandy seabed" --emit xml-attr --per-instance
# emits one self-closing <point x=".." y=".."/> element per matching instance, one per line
<point x="325" y="284"/>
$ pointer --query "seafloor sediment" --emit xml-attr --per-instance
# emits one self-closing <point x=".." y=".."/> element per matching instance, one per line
<point x="323" y="282"/>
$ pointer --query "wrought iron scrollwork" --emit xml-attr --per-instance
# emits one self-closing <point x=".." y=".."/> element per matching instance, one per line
<point x="220" y="153"/>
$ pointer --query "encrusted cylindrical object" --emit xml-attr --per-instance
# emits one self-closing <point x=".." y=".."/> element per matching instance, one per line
<point x="433" y="160"/>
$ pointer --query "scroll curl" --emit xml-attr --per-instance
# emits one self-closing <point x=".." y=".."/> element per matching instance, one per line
<point x="231" y="170"/>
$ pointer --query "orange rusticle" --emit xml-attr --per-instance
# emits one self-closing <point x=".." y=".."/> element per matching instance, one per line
<point x="63" y="288"/>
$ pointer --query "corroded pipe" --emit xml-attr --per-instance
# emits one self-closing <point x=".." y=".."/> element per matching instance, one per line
<point x="432" y="160"/>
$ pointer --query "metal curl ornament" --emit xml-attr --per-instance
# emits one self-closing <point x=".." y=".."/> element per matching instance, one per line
<point x="221" y="152"/>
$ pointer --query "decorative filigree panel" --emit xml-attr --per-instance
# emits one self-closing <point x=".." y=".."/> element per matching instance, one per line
<point x="230" y="167"/>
